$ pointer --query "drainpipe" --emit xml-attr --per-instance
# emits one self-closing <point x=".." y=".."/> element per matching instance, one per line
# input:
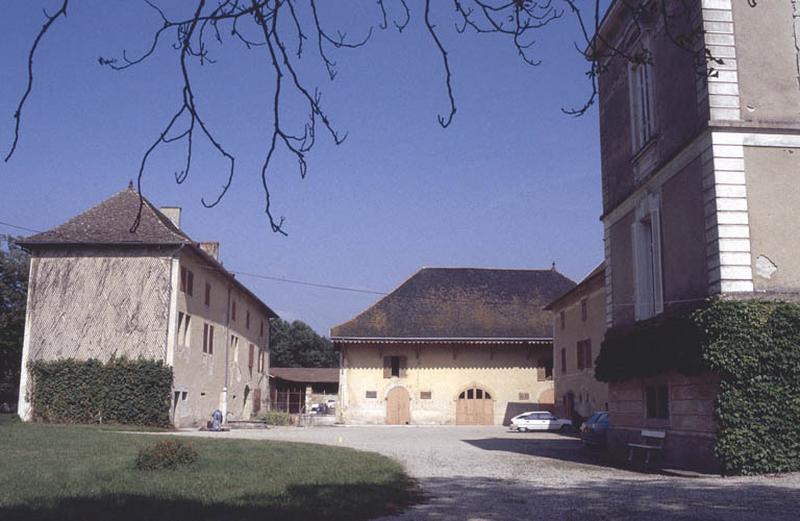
<point x="224" y="407"/>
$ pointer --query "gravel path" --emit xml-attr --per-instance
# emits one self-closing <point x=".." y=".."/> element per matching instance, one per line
<point x="488" y="473"/>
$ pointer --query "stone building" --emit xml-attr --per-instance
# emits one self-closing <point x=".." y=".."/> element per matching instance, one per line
<point x="451" y="345"/>
<point x="700" y="179"/>
<point x="578" y="329"/>
<point x="98" y="290"/>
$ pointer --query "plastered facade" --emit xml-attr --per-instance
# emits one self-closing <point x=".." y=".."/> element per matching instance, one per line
<point x="443" y="370"/>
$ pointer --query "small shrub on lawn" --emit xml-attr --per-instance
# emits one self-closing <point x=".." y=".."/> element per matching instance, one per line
<point x="166" y="454"/>
<point x="276" y="418"/>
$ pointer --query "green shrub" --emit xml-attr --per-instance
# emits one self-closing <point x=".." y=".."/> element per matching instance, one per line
<point x="120" y="391"/>
<point x="276" y="418"/>
<point x="166" y="454"/>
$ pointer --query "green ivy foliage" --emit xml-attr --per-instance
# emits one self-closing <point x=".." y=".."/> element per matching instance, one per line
<point x="122" y="391"/>
<point x="650" y="348"/>
<point x="755" y="348"/>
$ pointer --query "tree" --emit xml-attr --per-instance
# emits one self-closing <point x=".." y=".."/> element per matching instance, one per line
<point x="282" y="30"/>
<point x="13" y="299"/>
<point x="295" y="344"/>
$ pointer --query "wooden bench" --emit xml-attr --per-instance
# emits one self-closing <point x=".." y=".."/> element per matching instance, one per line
<point x="652" y="441"/>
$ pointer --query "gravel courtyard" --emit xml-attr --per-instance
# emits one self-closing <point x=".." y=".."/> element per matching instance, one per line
<point x="489" y="473"/>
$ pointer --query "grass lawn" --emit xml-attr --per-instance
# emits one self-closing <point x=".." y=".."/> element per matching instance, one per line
<point x="64" y="472"/>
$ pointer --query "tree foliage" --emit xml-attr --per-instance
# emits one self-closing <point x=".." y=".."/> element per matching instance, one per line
<point x="295" y="344"/>
<point x="13" y="296"/>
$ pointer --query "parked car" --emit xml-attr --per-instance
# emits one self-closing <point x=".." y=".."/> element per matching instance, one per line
<point x="539" y="421"/>
<point x="331" y="404"/>
<point x="595" y="429"/>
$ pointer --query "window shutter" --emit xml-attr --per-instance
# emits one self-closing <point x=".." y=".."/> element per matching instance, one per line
<point x="403" y="367"/>
<point x="580" y="354"/>
<point x="658" y="288"/>
<point x="540" y="376"/>
<point x="589" y="361"/>
<point x="387" y="366"/>
<point x="251" y="355"/>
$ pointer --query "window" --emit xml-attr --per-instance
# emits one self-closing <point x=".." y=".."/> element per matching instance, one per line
<point x="563" y="360"/>
<point x="584" y="352"/>
<point x="563" y="319"/>
<point x="584" y="310"/>
<point x="187" y="281"/>
<point x="247" y="320"/>
<point x="646" y="239"/>
<point x="261" y="360"/>
<point x="372" y="394"/>
<point x="235" y="347"/>
<point x="657" y="397"/>
<point x="261" y="331"/>
<point x="251" y="356"/>
<point x="425" y="395"/>
<point x="208" y="294"/>
<point x="233" y="310"/>
<point x="524" y="396"/>
<point x="183" y="328"/>
<point x="394" y="366"/>
<point x="640" y="80"/>
<point x="208" y="338"/>
<point x="548" y="370"/>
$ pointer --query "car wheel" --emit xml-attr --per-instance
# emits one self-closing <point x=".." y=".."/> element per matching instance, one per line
<point x="564" y="428"/>
<point x="523" y="429"/>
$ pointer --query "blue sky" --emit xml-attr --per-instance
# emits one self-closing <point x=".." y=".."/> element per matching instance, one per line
<point x="512" y="183"/>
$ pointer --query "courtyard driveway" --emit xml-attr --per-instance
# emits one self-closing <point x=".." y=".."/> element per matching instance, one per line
<point x="488" y="473"/>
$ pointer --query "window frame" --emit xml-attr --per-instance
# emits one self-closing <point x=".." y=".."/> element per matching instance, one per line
<point x="641" y="96"/>
<point x="647" y="247"/>
<point x="657" y="401"/>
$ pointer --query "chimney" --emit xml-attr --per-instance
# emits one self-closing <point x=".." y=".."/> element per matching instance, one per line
<point x="211" y="247"/>
<point x="173" y="213"/>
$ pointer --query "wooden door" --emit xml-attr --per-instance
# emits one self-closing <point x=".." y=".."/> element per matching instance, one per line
<point x="475" y="407"/>
<point x="398" y="407"/>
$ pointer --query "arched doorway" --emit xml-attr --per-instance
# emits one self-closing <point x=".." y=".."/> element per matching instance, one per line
<point x="398" y="407"/>
<point x="475" y="406"/>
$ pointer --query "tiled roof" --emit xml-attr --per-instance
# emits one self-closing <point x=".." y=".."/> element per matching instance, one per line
<point x="596" y="274"/>
<point x="463" y="303"/>
<point x="110" y="223"/>
<point x="306" y="374"/>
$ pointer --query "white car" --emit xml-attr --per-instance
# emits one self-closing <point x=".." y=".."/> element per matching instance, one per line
<point x="539" y="421"/>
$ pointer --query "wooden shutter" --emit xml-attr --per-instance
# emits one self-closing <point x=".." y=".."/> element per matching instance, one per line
<point x="540" y="376"/>
<point x="580" y="354"/>
<point x="589" y="361"/>
<point x="387" y="366"/>
<point x="402" y="367"/>
<point x="251" y="356"/>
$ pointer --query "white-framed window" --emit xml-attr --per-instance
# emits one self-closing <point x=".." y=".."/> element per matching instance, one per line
<point x="184" y="333"/>
<point x="646" y="241"/>
<point x="640" y="82"/>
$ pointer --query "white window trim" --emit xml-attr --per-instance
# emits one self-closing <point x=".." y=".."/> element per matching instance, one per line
<point x="648" y="209"/>
<point x="641" y="134"/>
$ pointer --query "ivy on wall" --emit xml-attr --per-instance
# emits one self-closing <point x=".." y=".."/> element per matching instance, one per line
<point x="754" y="347"/>
<point x="651" y="348"/>
<point x="118" y="391"/>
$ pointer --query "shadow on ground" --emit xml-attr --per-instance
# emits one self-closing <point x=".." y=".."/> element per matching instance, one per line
<point x="630" y="499"/>
<point x="561" y="448"/>
<point x="300" y="503"/>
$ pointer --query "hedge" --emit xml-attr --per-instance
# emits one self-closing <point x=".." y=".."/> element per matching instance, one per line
<point x="119" y="391"/>
<point x="754" y="347"/>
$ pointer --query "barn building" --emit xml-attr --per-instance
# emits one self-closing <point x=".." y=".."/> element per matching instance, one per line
<point x="451" y="346"/>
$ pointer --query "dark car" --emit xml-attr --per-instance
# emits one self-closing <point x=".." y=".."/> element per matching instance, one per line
<point x="594" y="430"/>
